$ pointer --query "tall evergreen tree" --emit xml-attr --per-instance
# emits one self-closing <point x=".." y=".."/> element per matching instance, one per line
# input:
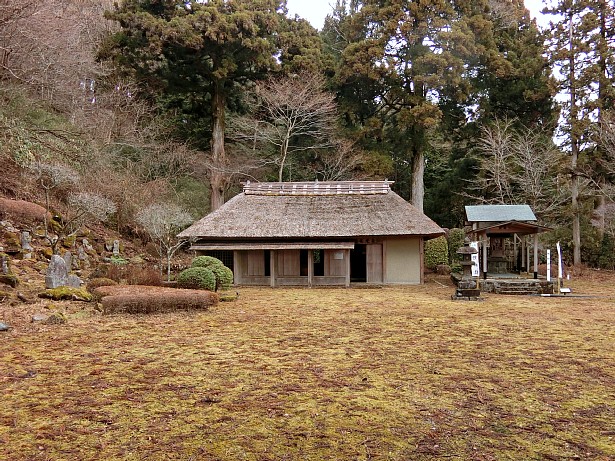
<point x="196" y="55"/>
<point x="402" y="56"/>
<point x="412" y="74"/>
<point x="580" y="42"/>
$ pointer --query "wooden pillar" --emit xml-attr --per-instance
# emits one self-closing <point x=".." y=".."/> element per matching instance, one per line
<point x="310" y="264"/>
<point x="515" y="252"/>
<point x="485" y="269"/>
<point x="527" y="256"/>
<point x="272" y="267"/>
<point x="523" y="264"/>
<point x="236" y="268"/>
<point x="535" y="256"/>
<point x="347" y="256"/>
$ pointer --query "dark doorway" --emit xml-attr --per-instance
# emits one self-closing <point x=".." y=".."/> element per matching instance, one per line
<point x="303" y="263"/>
<point x="319" y="263"/>
<point x="223" y="255"/>
<point x="358" y="264"/>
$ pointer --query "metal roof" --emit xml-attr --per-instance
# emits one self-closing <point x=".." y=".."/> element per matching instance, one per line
<point x="496" y="213"/>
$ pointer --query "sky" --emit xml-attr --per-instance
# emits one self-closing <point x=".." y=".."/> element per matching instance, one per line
<point x="315" y="11"/>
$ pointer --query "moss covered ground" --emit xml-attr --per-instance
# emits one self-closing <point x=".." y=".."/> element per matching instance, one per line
<point x="319" y="374"/>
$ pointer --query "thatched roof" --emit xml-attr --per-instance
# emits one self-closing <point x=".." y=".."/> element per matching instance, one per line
<point x="314" y="210"/>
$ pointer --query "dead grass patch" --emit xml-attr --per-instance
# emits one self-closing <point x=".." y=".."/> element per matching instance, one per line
<point x="376" y="374"/>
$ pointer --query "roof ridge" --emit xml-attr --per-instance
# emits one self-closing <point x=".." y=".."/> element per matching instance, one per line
<point x="318" y="188"/>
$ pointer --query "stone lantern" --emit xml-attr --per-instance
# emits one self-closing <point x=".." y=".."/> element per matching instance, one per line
<point x="467" y="287"/>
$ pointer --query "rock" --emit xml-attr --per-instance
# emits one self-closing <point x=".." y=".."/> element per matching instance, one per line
<point x="12" y="244"/>
<point x="4" y="264"/>
<point x="68" y="259"/>
<point x="57" y="318"/>
<point x="39" y="318"/>
<point x="8" y="226"/>
<point x="86" y="245"/>
<point x="116" y="248"/>
<point x="74" y="281"/>
<point x="4" y="327"/>
<point x="443" y="269"/>
<point x="57" y="273"/>
<point x="26" y="245"/>
<point x="23" y="298"/>
<point x="66" y="293"/>
<point x="9" y="279"/>
<point x="69" y="242"/>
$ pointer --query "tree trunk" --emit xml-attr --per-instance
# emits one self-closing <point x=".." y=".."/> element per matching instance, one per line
<point x="169" y="255"/>
<point x="218" y="156"/>
<point x="602" y="86"/>
<point x="418" y="172"/>
<point x="283" y="154"/>
<point x="574" y="148"/>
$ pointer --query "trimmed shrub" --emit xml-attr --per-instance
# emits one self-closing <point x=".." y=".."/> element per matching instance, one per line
<point x="224" y="277"/>
<point x="99" y="282"/>
<point x="455" y="239"/>
<point x="198" y="278"/>
<point x="436" y="252"/>
<point x="206" y="261"/>
<point x="137" y="299"/>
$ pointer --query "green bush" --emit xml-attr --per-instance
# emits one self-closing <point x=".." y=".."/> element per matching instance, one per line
<point x="436" y="252"/>
<point x="606" y="259"/>
<point x="455" y="240"/>
<point x="206" y="261"/>
<point x="224" y="277"/>
<point x="198" y="278"/>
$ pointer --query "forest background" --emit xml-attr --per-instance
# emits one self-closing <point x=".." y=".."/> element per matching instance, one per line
<point x="175" y="103"/>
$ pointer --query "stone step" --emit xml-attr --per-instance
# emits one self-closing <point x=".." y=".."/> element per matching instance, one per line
<point x="517" y="293"/>
<point x="517" y="287"/>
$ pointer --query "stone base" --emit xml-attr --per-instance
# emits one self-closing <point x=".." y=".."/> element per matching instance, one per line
<point x="466" y="298"/>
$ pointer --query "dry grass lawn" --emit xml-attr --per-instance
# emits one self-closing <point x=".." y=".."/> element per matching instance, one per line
<point x="320" y="374"/>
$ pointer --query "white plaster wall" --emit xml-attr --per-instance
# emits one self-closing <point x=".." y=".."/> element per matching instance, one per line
<point x="403" y="260"/>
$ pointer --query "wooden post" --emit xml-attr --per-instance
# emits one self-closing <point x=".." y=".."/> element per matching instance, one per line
<point x="347" y="256"/>
<point x="310" y="264"/>
<point x="535" y="256"/>
<point x="527" y="257"/>
<point x="523" y="266"/>
<point x="236" y="268"/>
<point x="515" y="252"/>
<point x="272" y="267"/>
<point x="485" y="270"/>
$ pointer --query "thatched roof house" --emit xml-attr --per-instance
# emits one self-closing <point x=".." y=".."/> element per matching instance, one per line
<point x="310" y="233"/>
